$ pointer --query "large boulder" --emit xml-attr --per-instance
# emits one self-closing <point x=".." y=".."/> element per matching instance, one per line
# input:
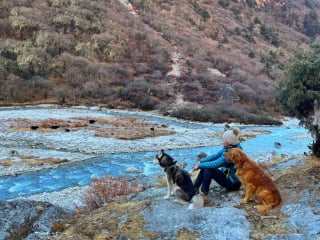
<point x="24" y="219"/>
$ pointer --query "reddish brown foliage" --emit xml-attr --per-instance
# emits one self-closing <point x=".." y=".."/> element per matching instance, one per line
<point x="107" y="188"/>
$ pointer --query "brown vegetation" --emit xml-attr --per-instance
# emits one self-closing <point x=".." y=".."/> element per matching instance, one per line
<point x="118" y="127"/>
<point x="30" y="161"/>
<point x="103" y="190"/>
<point x="108" y="222"/>
<point x="101" y="52"/>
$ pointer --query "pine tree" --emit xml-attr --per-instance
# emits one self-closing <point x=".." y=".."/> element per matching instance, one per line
<point x="300" y="89"/>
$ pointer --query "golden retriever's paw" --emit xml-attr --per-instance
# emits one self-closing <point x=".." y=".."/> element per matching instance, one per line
<point x="244" y="200"/>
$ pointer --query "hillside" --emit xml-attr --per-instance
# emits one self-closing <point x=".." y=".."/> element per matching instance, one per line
<point x="201" y="60"/>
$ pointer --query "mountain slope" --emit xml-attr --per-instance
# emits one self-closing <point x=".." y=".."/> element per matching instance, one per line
<point x="164" y="55"/>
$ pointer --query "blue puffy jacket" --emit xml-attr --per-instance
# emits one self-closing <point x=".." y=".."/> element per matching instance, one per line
<point x="217" y="160"/>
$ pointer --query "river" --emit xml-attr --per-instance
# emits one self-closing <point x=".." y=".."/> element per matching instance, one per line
<point x="294" y="141"/>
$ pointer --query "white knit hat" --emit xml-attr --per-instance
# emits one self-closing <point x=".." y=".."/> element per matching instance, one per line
<point x="232" y="136"/>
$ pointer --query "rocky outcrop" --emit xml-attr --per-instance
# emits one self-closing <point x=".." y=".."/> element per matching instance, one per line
<point x="21" y="219"/>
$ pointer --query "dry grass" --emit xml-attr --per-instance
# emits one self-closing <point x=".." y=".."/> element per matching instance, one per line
<point x="185" y="234"/>
<point x="31" y="161"/>
<point x="161" y="181"/>
<point x="117" y="218"/>
<point x="121" y="128"/>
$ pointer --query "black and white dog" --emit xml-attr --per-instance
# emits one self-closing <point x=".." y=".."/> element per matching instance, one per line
<point x="177" y="178"/>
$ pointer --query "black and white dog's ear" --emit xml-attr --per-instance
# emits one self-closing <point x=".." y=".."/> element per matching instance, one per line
<point x="161" y="153"/>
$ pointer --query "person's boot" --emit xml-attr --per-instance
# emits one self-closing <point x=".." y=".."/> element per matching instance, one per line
<point x="206" y="198"/>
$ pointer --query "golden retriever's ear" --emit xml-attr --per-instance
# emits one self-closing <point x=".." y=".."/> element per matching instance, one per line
<point x="231" y="155"/>
<point x="241" y="159"/>
<point x="228" y="155"/>
<point x="236" y="160"/>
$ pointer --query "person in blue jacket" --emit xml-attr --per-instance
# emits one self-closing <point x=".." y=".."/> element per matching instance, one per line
<point x="217" y="167"/>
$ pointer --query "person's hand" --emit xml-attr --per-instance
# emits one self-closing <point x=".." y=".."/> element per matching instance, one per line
<point x="195" y="166"/>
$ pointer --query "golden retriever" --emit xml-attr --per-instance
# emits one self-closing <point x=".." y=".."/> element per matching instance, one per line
<point x="255" y="181"/>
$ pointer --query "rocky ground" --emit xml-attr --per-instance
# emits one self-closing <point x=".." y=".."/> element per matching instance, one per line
<point x="146" y="215"/>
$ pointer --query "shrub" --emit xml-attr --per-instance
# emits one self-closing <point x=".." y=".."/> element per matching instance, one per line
<point x="9" y="92"/>
<point x="269" y="61"/>
<point x="148" y="103"/>
<point x="311" y="4"/>
<point x="62" y="94"/>
<point x="142" y="94"/>
<point x="251" y="54"/>
<point x="4" y="27"/>
<point x="311" y="24"/>
<point x="256" y="20"/>
<point x="224" y="3"/>
<point x="237" y="13"/>
<point x="249" y="37"/>
<point x="246" y="93"/>
<point x="237" y="31"/>
<point x="200" y="11"/>
<point x="223" y="112"/>
<point x="24" y="27"/>
<point x="192" y="114"/>
<point x="106" y="188"/>
<point x="41" y="87"/>
<point x="270" y="35"/>
<point x="239" y="75"/>
<point x="74" y="77"/>
<point x="90" y="89"/>
<point x="251" y="3"/>
<point x="32" y="61"/>
<point x="54" y="43"/>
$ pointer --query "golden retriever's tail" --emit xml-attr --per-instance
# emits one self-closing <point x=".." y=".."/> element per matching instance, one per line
<point x="276" y="198"/>
<point x="270" y="199"/>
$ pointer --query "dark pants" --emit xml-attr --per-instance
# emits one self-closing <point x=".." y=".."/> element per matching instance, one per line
<point x="205" y="176"/>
